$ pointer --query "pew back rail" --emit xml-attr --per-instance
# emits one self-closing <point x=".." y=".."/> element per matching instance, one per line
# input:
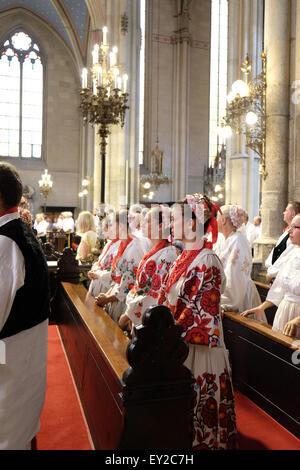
<point x="265" y="367"/>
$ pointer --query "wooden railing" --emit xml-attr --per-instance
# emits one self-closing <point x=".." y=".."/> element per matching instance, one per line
<point x="135" y="394"/>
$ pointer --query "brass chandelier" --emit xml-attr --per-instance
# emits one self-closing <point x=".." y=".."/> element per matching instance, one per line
<point x="104" y="102"/>
<point x="246" y="111"/>
<point x="45" y="185"/>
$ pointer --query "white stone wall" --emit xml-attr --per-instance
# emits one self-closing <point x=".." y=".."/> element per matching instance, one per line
<point x="181" y="43"/>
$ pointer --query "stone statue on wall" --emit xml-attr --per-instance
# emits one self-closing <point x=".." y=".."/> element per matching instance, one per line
<point x="184" y="7"/>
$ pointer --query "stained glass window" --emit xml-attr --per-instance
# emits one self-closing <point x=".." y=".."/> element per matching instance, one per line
<point x="21" y="97"/>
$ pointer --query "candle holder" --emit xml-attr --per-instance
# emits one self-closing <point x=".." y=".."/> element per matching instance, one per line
<point x="45" y="184"/>
<point x="104" y="102"/>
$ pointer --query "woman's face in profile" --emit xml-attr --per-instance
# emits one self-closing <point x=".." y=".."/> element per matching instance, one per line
<point x="294" y="230"/>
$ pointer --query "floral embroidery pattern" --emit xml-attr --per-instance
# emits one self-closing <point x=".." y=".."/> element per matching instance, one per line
<point x="197" y="307"/>
<point x="246" y="267"/>
<point x="214" y="415"/>
<point x="107" y="262"/>
<point x="124" y="276"/>
<point x="148" y="285"/>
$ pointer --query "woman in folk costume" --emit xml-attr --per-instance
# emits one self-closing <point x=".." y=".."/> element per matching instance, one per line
<point x="285" y="290"/>
<point x="100" y="273"/>
<point x="192" y="290"/>
<point x="152" y="269"/>
<point x="124" y="268"/>
<point x="240" y="292"/>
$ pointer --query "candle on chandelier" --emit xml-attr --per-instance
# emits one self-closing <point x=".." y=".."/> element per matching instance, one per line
<point x="125" y="79"/>
<point x="119" y="83"/>
<point x="84" y="78"/>
<point x="116" y="73"/>
<point x="111" y="59"/>
<point x="95" y="54"/>
<point x="115" y="51"/>
<point x="104" y="30"/>
<point x="100" y="76"/>
<point x="94" y="86"/>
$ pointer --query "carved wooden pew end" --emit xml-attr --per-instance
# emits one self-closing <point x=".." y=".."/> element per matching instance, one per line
<point x="68" y="268"/>
<point x="158" y="389"/>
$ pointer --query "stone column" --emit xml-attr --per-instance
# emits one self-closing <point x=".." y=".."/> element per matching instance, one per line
<point x="294" y="169"/>
<point x="275" y="186"/>
<point x="245" y="31"/>
<point x="181" y="84"/>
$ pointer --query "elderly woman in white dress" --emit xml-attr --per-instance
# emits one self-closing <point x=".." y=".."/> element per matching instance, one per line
<point x="152" y="269"/>
<point x="124" y="268"/>
<point x="285" y="291"/>
<point x="240" y="293"/>
<point x="100" y="273"/>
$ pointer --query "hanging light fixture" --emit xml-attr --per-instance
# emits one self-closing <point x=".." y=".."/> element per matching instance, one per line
<point x="45" y="184"/>
<point x="246" y="111"/>
<point x="104" y="99"/>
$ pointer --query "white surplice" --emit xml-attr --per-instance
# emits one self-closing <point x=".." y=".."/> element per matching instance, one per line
<point x="145" y="292"/>
<point x="102" y="269"/>
<point x="285" y="293"/>
<point x="240" y="293"/>
<point x="23" y="373"/>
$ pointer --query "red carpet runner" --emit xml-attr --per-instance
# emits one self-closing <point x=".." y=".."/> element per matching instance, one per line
<point x="63" y="425"/>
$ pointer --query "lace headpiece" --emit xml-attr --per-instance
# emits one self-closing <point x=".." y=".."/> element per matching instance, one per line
<point x="237" y="215"/>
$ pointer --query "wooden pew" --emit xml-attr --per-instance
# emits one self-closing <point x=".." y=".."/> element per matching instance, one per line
<point x="265" y="367"/>
<point x="135" y="394"/>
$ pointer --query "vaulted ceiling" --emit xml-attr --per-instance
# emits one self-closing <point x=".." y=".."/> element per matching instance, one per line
<point x="70" y="18"/>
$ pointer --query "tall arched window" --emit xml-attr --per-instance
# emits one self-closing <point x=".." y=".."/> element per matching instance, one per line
<point x="218" y="74"/>
<point x="21" y="97"/>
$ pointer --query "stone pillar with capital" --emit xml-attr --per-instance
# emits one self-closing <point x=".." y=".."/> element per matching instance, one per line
<point x="275" y="186"/>
<point x="245" y="36"/>
<point x="181" y="83"/>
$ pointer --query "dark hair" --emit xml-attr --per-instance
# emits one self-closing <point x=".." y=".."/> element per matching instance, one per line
<point x="11" y="187"/>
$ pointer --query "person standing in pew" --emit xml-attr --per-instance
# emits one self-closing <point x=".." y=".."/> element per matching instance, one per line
<point x="24" y="312"/>
<point x="100" y="273"/>
<point x="152" y="269"/>
<point x="124" y="267"/>
<point x="192" y="290"/>
<point x="240" y="292"/>
<point x="285" y="290"/>
<point x="283" y="248"/>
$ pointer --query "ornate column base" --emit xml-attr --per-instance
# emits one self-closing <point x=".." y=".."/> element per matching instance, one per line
<point x="262" y="248"/>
